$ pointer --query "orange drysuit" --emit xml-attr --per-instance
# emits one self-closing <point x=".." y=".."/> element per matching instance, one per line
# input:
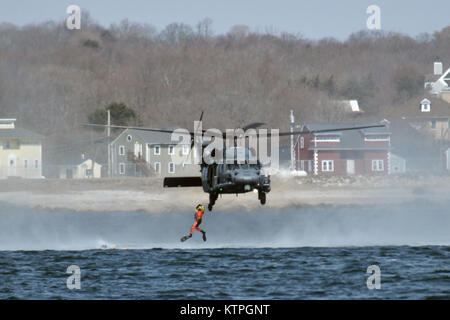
<point x="198" y="220"/>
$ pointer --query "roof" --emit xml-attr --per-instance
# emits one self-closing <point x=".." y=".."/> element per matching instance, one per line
<point x="19" y="133"/>
<point x="70" y="152"/>
<point x="152" y="137"/>
<point x="439" y="108"/>
<point x="74" y="162"/>
<point x="349" y="139"/>
<point x="337" y="125"/>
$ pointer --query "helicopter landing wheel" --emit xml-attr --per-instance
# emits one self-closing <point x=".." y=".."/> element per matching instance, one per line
<point x="212" y="200"/>
<point x="262" y="197"/>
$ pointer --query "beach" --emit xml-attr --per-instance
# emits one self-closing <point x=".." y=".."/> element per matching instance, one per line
<point x="147" y="194"/>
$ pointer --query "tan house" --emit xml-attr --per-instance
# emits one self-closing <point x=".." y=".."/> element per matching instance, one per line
<point x="20" y="151"/>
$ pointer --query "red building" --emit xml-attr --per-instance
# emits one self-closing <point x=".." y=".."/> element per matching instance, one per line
<point x="359" y="151"/>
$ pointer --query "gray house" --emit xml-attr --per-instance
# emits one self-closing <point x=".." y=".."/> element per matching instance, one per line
<point x="138" y="153"/>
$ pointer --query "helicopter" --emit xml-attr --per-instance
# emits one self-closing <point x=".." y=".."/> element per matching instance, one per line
<point x="230" y="177"/>
<point x="235" y="174"/>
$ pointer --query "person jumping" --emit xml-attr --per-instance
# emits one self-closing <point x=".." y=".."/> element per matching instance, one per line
<point x="199" y="212"/>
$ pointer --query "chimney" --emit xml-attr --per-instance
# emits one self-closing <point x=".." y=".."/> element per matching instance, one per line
<point x="438" y="68"/>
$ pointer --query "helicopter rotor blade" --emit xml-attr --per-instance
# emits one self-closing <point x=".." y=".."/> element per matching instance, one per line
<point x="224" y="135"/>
<point x="253" y="125"/>
<point x="128" y="127"/>
<point x="332" y="130"/>
<point x="282" y="134"/>
<point x="193" y="140"/>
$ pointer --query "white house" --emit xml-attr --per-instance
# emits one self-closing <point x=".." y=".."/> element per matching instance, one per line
<point x="84" y="169"/>
<point x="397" y="164"/>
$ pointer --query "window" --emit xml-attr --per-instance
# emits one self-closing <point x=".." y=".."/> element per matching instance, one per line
<point x="433" y="124"/>
<point x="171" y="167"/>
<point x="327" y="138"/>
<point x="25" y="163"/>
<point x="36" y="164"/>
<point x="171" y="149"/>
<point x="426" y="107"/>
<point x="129" y="138"/>
<point x="88" y="172"/>
<point x="157" y="150"/>
<point x="186" y="150"/>
<point x="157" y="167"/>
<point x="377" y="165"/>
<point x="121" y="151"/>
<point x="302" y="142"/>
<point x="327" y="165"/>
<point x="122" y="168"/>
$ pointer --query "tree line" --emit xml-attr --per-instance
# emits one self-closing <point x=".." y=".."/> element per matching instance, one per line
<point x="53" y="79"/>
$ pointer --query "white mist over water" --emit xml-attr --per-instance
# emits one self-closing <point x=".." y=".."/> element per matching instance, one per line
<point x="416" y="223"/>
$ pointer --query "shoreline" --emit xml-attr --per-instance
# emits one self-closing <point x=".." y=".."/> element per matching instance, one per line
<point x="147" y="194"/>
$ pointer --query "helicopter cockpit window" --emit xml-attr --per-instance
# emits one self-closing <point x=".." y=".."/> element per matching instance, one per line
<point x="234" y="166"/>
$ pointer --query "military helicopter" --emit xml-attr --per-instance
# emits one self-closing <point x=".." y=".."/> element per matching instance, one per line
<point x="234" y="175"/>
<point x="229" y="177"/>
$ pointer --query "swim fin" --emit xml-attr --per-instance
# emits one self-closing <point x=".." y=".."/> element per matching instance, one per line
<point x="186" y="237"/>
<point x="204" y="236"/>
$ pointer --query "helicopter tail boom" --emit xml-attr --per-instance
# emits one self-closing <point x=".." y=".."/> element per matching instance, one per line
<point x="182" y="182"/>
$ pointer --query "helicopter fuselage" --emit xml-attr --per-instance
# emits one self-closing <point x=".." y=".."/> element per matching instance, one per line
<point x="234" y="178"/>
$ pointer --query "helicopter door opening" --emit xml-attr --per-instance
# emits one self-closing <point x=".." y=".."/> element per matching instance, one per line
<point x="215" y="174"/>
<point x="212" y="178"/>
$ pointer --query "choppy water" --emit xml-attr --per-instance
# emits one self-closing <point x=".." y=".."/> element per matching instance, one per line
<point x="264" y="273"/>
<point x="297" y="253"/>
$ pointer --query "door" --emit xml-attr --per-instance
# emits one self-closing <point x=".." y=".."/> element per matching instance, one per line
<point x="138" y="150"/>
<point x="12" y="165"/>
<point x="350" y="166"/>
<point x="147" y="151"/>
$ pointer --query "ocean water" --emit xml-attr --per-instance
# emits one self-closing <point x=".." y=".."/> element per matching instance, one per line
<point x="312" y="252"/>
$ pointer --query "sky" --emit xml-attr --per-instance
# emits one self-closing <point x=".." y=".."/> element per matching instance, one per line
<point x="313" y="19"/>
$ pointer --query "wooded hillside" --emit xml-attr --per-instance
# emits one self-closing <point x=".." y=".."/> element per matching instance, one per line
<point x="52" y="78"/>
